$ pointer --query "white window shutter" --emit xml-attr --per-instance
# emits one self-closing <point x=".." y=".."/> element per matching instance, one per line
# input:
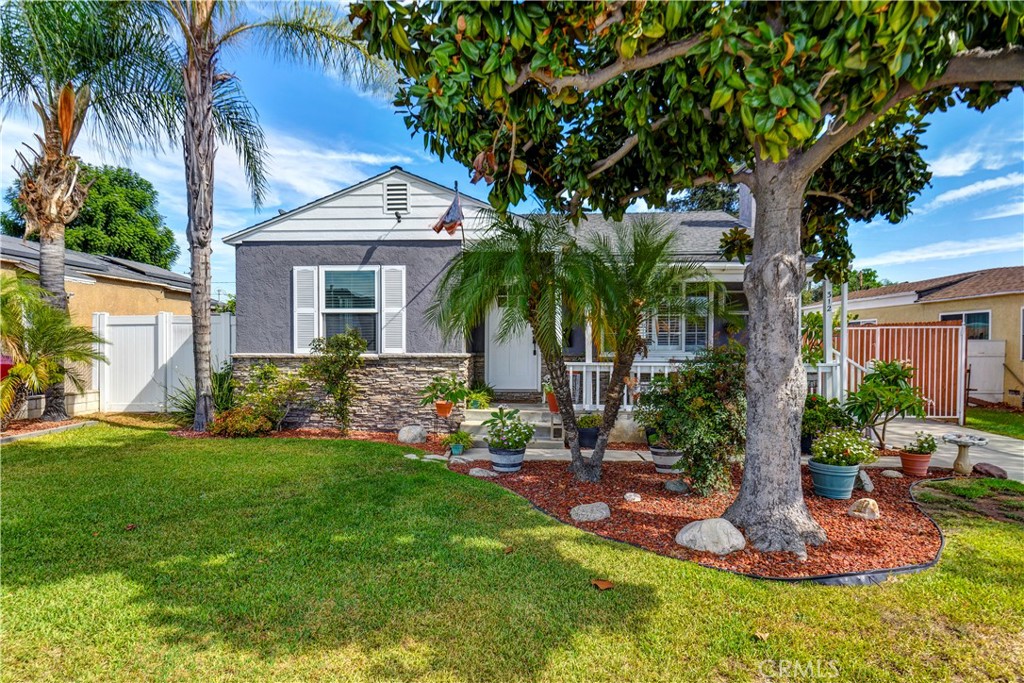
<point x="392" y="309"/>
<point x="305" y="308"/>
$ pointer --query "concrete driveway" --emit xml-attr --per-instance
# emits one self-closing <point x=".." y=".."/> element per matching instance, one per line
<point x="1004" y="451"/>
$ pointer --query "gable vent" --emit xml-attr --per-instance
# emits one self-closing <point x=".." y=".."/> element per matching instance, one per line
<point x="396" y="198"/>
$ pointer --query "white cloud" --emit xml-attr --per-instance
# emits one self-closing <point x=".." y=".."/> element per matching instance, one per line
<point x="1014" y="208"/>
<point x="941" y="251"/>
<point x="1012" y="180"/>
<point x="955" y="164"/>
<point x="986" y="149"/>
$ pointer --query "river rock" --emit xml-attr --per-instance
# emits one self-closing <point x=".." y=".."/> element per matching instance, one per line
<point x="435" y="458"/>
<point x="717" y="536"/>
<point x="479" y="472"/>
<point x="892" y="474"/>
<point x="864" y="481"/>
<point x="677" y="486"/>
<point x="865" y="508"/>
<point x="411" y="456"/>
<point x="632" y="497"/>
<point x="987" y="469"/>
<point x="591" y="512"/>
<point x="412" y="434"/>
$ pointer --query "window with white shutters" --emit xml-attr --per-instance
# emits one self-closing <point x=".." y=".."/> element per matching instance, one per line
<point x="396" y="198"/>
<point x="393" y="309"/>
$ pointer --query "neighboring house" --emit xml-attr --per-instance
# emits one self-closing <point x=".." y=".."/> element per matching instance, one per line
<point x="366" y="258"/>
<point x="101" y="284"/>
<point x="990" y="304"/>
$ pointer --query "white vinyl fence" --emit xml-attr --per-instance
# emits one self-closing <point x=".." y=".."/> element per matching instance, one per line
<point x="150" y="358"/>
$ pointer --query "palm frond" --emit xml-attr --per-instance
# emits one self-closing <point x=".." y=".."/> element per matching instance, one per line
<point x="238" y="125"/>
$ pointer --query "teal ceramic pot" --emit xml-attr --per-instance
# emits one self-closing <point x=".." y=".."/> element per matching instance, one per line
<point x="833" y="481"/>
<point x="504" y="460"/>
<point x="457" y="448"/>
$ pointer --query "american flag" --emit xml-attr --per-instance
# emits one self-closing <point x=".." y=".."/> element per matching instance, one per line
<point x="452" y="218"/>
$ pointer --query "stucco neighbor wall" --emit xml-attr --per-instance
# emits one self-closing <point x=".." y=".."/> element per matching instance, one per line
<point x="263" y="284"/>
<point x="389" y="389"/>
<point x="1006" y="325"/>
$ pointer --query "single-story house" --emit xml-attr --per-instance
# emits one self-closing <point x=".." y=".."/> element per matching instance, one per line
<point x="990" y="304"/>
<point x="366" y="258"/>
<point x="95" y="284"/>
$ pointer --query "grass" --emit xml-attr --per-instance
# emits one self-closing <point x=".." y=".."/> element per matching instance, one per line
<point x="996" y="421"/>
<point x="333" y="560"/>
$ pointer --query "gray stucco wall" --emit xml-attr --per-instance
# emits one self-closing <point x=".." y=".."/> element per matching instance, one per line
<point x="263" y="282"/>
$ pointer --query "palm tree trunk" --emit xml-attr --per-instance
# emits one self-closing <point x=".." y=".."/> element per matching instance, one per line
<point x="17" y="403"/>
<point x="770" y="506"/>
<point x="51" y="278"/>
<point x="591" y="470"/>
<point x="559" y="377"/>
<point x="200" y="148"/>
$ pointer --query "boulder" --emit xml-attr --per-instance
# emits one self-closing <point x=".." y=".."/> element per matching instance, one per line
<point x="865" y="508"/>
<point x="677" y="486"/>
<point x="892" y="474"/>
<point x="411" y="456"/>
<point x="987" y="469"/>
<point x="632" y="497"/>
<point x="591" y="512"/>
<point x="459" y="460"/>
<point x="478" y="472"/>
<point x="412" y="434"/>
<point x="864" y="482"/>
<point x="717" y="536"/>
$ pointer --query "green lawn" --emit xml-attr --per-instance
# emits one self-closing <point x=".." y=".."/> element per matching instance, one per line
<point x="321" y="560"/>
<point x="996" y="421"/>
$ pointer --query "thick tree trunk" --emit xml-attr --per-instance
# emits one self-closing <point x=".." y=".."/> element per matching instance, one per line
<point x="200" y="149"/>
<point x="17" y="403"/>
<point x="51" y="278"/>
<point x="770" y="506"/>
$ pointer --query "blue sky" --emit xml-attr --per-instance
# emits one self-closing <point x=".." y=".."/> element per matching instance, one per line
<point x="324" y="136"/>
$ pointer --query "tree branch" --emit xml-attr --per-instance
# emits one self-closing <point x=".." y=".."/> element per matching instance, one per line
<point x="968" y="68"/>
<point x="627" y="145"/>
<point x="831" y="195"/>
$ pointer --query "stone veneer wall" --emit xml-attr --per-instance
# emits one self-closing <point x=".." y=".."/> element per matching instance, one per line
<point x="389" y="389"/>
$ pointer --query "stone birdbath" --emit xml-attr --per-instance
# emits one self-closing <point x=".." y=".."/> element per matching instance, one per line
<point x="963" y="443"/>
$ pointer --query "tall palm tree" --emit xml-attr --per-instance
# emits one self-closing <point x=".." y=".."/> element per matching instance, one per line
<point x="633" y="275"/>
<point x="70" y="62"/>
<point x="536" y="267"/>
<point x="44" y="344"/>
<point x="312" y="34"/>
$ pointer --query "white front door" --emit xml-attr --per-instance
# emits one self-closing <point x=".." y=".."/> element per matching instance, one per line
<point x="511" y="364"/>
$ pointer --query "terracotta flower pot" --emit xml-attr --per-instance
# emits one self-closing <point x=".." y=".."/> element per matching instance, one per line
<point x="552" y="402"/>
<point x="915" y="464"/>
<point x="443" y="408"/>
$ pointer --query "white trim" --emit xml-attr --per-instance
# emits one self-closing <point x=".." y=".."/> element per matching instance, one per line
<point x="376" y="310"/>
<point x="314" y="310"/>
<point x="391" y="315"/>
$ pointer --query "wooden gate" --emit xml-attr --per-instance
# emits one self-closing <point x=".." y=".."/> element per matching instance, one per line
<point x="938" y="352"/>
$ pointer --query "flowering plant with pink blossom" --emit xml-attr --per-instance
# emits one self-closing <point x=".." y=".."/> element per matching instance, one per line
<point x="507" y="431"/>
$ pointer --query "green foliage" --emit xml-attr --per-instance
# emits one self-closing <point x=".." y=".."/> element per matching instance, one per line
<point x="182" y="403"/>
<point x="884" y="394"/>
<point x="812" y="332"/>
<point x="923" y="443"/>
<point x="271" y="393"/>
<point x="589" y="420"/>
<point x="507" y="431"/>
<point x="723" y="197"/>
<point x="226" y="306"/>
<point x="842" y="448"/>
<point x="119" y="218"/>
<point x="459" y="438"/>
<point x="331" y="362"/>
<point x="700" y="411"/>
<point x="481" y="387"/>
<point x="821" y="416"/>
<point x="479" y="399"/>
<point x="448" y="388"/>
<point x="241" y="422"/>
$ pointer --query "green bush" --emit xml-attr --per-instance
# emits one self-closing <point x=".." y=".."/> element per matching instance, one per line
<point x="331" y="363"/>
<point x="923" y="443"/>
<point x="842" y="448"/>
<point x="701" y="412"/>
<point x="459" y="438"/>
<point x="589" y="421"/>
<point x="272" y="394"/>
<point x="240" y="423"/>
<point x="884" y="394"/>
<point x="481" y="399"/>
<point x="182" y="403"/>
<point x="822" y="416"/>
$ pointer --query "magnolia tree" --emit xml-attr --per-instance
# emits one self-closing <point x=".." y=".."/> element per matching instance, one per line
<point x="599" y="104"/>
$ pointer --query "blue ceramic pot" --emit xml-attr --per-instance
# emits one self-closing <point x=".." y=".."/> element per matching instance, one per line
<point x="833" y="481"/>
<point x="457" y="448"/>
<point x="504" y="460"/>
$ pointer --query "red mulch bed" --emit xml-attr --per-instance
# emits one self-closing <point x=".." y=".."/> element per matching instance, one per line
<point x="903" y="535"/>
<point x="29" y="426"/>
<point x="433" y="444"/>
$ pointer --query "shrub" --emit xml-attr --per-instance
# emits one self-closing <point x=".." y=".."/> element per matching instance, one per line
<point x="483" y="388"/>
<point x="701" y="412"/>
<point x="444" y="388"/>
<point x="923" y="443"/>
<point x="183" y="402"/>
<point x="271" y="393"/>
<point x="842" y="448"/>
<point x="883" y="395"/>
<point x="331" y="362"/>
<point x="822" y="416"/>
<point x="589" y="421"/>
<point x="459" y="438"/>
<point x="481" y="399"/>
<point x="507" y="431"/>
<point x="240" y="423"/>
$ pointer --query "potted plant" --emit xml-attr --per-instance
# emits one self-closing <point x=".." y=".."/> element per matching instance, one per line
<point x="507" y="436"/>
<point x="457" y="442"/>
<point x="917" y="455"/>
<point x="821" y="416"/>
<point x="444" y="391"/>
<point x="478" y="400"/>
<point x="836" y="458"/>
<point x="884" y="394"/>
<point x="549" y="396"/>
<point x="588" y="425"/>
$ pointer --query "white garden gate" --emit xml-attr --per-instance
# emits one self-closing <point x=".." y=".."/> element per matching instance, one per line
<point x="150" y="358"/>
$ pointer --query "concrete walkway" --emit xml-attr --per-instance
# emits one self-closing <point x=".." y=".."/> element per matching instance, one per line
<point x="1004" y="451"/>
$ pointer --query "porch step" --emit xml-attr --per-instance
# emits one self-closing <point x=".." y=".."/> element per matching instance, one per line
<point x="532" y="413"/>
<point x="543" y="444"/>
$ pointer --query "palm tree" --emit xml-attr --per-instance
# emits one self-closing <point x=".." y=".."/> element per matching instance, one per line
<point x="633" y="275"/>
<point x="312" y="34"/>
<point x="535" y="266"/>
<point x="44" y="344"/>
<point x="69" y="61"/>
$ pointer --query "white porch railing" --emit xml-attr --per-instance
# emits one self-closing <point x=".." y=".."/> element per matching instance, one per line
<point x="589" y="381"/>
